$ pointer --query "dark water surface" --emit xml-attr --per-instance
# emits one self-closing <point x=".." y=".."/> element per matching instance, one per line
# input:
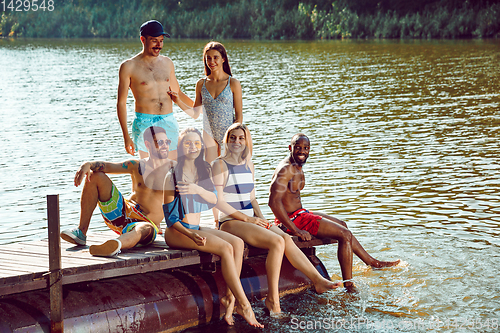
<point x="405" y="141"/>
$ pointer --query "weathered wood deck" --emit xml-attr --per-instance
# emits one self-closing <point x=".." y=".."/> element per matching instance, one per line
<point x="25" y="266"/>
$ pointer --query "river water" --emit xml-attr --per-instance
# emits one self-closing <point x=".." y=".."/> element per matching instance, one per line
<point x="405" y="141"/>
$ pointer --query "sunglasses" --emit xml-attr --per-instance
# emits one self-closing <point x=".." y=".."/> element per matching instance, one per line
<point x="187" y="144"/>
<point x="163" y="142"/>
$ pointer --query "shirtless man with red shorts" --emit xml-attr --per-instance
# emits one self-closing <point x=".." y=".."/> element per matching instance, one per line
<point x="285" y="202"/>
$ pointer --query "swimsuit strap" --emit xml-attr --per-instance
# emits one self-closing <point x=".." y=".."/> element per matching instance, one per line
<point x="142" y="167"/>
<point x="228" y="84"/>
<point x="227" y="166"/>
<point x="230" y="170"/>
<point x="176" y="192"/>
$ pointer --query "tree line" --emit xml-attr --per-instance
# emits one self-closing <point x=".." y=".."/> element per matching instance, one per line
<point x="257" y="19"/>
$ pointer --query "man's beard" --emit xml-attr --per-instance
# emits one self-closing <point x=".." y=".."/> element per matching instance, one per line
<point x="158" y="155"/>
<point x="298" y="162"/>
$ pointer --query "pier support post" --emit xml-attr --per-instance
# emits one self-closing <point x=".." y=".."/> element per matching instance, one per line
<point x="55" y="274"/>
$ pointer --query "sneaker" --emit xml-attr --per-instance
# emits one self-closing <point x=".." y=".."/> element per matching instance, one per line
<point x="74" y="236"/>
<point x="107" y="249"/>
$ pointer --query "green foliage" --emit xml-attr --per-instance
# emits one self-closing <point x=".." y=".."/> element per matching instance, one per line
<point x="6" y="24"/>
<point x="262" y="19"/>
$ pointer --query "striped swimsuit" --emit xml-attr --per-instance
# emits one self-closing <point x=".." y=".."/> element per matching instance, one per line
<point x="237" y="191"/>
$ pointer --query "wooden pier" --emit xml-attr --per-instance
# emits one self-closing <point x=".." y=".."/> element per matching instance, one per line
<point x="25" y="266"/>
<point x="39" y="270"/>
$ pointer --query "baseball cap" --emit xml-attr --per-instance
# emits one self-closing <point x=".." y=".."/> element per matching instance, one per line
<point x="153" y="28"/>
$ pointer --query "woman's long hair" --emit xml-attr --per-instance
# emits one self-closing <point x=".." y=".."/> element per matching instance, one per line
<point x="202" y="167"/>
<point x="247" y="153"/>
<point x="222" y="50"/>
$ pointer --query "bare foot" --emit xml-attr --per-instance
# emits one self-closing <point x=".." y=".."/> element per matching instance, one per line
<point x="273" y="307"/>
<point x="382" y="264"/>
<point x="248" y="315"/>
<point x="350" y="287"/>
<point x="325" y="285"/>
<point x="229" y="305"/>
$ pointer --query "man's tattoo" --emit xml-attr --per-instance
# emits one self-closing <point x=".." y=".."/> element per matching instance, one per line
<point x="97" y="166"/>
<point x="126" y="164"/>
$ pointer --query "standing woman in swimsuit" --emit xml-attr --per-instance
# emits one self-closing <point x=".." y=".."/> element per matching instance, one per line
<point x="189" y="185"/>
<point x="220" y="96"/>
<point x="240" y="215"/>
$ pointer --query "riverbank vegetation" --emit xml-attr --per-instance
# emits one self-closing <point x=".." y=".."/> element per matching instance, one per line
<point x="258" y="19"/>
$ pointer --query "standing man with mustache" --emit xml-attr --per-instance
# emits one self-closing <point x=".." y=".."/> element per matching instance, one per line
<point x="285" y="202"/>
<point x="151" y="77"/>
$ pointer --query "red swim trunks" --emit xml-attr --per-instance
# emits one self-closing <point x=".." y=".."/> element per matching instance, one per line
<point x="304" y="221"/>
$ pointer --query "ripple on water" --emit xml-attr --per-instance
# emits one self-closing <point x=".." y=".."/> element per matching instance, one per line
<point x="404" y="149"/>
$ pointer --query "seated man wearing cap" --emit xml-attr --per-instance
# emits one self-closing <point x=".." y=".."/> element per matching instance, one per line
<point x="151" y="77"/>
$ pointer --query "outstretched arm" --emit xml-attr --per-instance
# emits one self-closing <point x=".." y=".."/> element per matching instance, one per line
<point x="180" y="98"/>
<point x="199" y="240"/>
<point x="121" y="105"/>
<point x="189" y="188"/>
<point x="255" y="204"/>
<point x="106" y="167"/>
<point x="279" y="188"/>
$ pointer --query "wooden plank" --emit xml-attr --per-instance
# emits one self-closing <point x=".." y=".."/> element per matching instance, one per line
<point x="78" y="265"/>
<point x="22" y="282"/>
<point x="26" y="248"/>
<point x="15" y="266"/>
<point x="55" y="274"/>
<point x="21" y="278"/>
<point x="22" y="260"/>
<point x="82" y="257"/>
<point x="313" y="242"/>
<point x="68" y="261"/>
<point x="23" y="263"/>
<point x="23" y="286"/>
<point x="137" y="269"/>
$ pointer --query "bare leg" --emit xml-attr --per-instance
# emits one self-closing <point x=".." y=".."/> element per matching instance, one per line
<point x="216" y="245"/>
<point x="215" y="212"/>
<point x="344" y="252"/>
<point x="229" y="300"/>
<point x="97" y="189"/>
<point x="133" y="237"/>
<point x="357" y="248"/>
<point x="141" y="231"/>
<point x="264" y="239"/>
<point x="299" y="260"/>
<point x="212" y="149"/>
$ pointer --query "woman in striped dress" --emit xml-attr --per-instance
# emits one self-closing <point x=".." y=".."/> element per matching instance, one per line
<point x="188" y="190"/>
<point x="240" y="215"/>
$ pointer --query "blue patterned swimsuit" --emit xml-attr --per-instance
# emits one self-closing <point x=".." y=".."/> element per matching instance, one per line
<point x="218" y="113"/>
